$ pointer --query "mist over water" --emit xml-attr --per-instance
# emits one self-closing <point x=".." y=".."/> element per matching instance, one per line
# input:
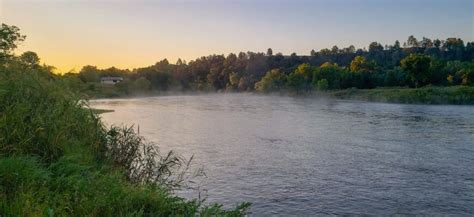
<point x="303" y="156"/>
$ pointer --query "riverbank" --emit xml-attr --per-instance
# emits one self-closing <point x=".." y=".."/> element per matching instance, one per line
<point x="455" y="95"/>
<point x="458" y="95"/>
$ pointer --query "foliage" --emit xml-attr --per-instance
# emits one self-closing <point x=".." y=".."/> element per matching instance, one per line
<point x="89" y="74"/>
<point x="332" y="73"/>
<point x="233" y="81"/>
<point x="297" y="81"/>
<point x="30" y="58"/>
<point x="396" y="77"/>
<point x="322" y="85"/>
<point x="417" y="65"/>
<point x="360" y="64"/>
<point x="9" y="38"/>
<point x="141" y="84"/>
<point x="300" y="79"/>
<point x="274" y="80"/>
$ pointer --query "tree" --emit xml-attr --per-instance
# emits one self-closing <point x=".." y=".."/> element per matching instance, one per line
<point x="350" y="49"/>
<point x="426" y="43"/>
<point x="304" y="69"/>
<point x="113" y="72"/>
<point x="438" y="72"/>
<point x="418" y="68"/>
<point x="322" y="84"/>
<point x="395" y="77"/>
<point x="328" y="65"/>
<point x="325" y="51"/>
<point x="312" y="53"/>
<point x="452" y="44"/>
<point x="30" y="58"/>
<point x="329" y="71"/>
<point x="296" y="81"/>
<point x="180" y="62"/>
<point x="294" y="59"/>
<point x="141" y="84"/>
<point x="274" y="80"/>
<point x="160" y="80"/>
<point x="9" y="38"/>
<point x="233" y="80"/>
<point x="360" y="64"/>
<point x="396" y="45"/>
<point x="412" y="41"/>
<point x="269" y="52"/>
<point x="437" y="43"/>
<point x="450" y="79"/>
<point x="213" y="78"/>
<point x="465" y="75"/>
<point x="375" y="47"/>
<point x="243" y="84"/>
<point x="159" y="74"/>
<point x="89" y="74"/>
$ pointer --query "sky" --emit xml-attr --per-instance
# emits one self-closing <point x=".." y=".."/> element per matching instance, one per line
<point x="69" y="34"/>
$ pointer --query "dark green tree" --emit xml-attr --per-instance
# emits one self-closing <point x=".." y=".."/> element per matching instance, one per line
<point x="30" y="58"/>
<point x="10" y="36"/>
<point x="269" y="52"/>
<point x="296" y="81"/>
<point x="412" y="41"/>
<point x="418" y="68"/>
<point x="141" y="84"/>
<point x="375" y="47"/>
<point x="89" y="74"/>
<point x="322" y="85"/>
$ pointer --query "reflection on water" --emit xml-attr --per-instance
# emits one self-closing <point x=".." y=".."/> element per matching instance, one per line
<point x="303" y="156"/>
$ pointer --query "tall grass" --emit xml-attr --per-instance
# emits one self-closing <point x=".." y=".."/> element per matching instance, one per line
<point x="143" y="163"/>
<point x="57" y="158"/>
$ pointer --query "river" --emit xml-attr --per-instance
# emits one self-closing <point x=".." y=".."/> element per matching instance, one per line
<point x="305" y="156"/>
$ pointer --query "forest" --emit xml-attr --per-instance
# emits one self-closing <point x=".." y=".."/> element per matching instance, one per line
<point x="416" y="63"/>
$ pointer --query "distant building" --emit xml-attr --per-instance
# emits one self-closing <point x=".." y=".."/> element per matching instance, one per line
<point x="111" y="80"/>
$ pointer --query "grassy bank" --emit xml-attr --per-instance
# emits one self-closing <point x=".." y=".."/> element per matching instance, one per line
<point x="57" y="158"/>
<point x="424" y="95"/>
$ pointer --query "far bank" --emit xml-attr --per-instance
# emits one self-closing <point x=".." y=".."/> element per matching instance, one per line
<point x="455" y="95"/>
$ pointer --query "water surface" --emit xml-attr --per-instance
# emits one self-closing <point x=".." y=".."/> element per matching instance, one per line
<point x="304" y="156"/>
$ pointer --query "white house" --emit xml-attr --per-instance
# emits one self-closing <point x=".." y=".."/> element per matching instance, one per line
<point x="110" y="80"/>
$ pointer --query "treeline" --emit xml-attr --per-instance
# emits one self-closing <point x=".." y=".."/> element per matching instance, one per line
<point x="416" y="63"/>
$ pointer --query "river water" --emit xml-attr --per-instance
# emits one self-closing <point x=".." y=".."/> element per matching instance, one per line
<point x="305" y="156"/>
